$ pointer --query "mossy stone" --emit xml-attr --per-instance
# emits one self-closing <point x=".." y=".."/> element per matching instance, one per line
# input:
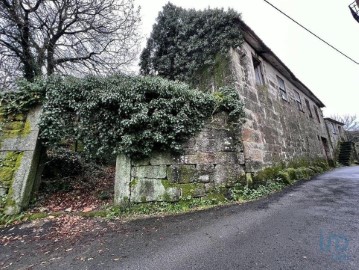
<point x="182" y="174"/>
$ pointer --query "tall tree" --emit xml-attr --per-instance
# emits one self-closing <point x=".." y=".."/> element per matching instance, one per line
<point x="67" y="36"/>
<point x="185" y="42"/>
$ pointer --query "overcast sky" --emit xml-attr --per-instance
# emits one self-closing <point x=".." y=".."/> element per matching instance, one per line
<point x="333" y="78"/>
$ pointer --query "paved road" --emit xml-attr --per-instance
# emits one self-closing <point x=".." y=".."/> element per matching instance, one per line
<point x="312" y="225"/>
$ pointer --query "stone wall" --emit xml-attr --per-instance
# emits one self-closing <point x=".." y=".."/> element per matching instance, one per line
<point x="19" y="156"/>
<point x="336" y="133"/>
<point x="212" y="160"/>
<point x="276" y="129"/>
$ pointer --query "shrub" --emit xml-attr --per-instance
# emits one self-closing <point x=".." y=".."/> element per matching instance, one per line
<point x="266" y="175"/>
<point x="129" y="115"/>
<point x="292" y="173"/>
<point x="301" y="173"/>
<point x="284" y="177"/>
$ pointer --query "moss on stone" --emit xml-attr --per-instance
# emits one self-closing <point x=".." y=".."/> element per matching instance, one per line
<point x="27" y="128"/>
<point x="192" y="190"/>
<point x="217" y="197"/>
<point x="134" y="182"/>
<point x="143" y="199"/>
<point x="8" y="167"/>
<point x="182" y="174"/>
<point x="14" y="125"/>
<point x="167" y="184"/>
<point x="166" y="197"/>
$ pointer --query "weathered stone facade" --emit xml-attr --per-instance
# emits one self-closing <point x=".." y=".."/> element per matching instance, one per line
<point x="19" y="159"/>
<point x="335" y="131"/>
<point x="213" y="159"/>
<point x="284" y="120"/>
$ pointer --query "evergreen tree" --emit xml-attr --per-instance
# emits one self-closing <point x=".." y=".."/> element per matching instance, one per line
<point x="185" y="42"/>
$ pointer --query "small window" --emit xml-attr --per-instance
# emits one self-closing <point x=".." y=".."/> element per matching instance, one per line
<point x="308" y="107"/>
<point x="334" y="129"/>
<point x="282" y="89"/>
<point x="258" y="71"/>
<point x="298" y="100"/>
<point x="316" y="113"/>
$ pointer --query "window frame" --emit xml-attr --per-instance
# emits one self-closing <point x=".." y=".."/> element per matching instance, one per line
<point x="282" y="90"/>
<point x="298" y="100"/>
<point x="258" y="71"/>
<point x="308" y="107"/>
<point x="316" y="113"/>
<point x="334" y="128"/>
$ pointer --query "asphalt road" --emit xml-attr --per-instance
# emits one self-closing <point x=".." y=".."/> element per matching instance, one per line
<point x="312" y="225"/>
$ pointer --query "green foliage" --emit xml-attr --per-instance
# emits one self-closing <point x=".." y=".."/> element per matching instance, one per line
<point x="130" y="115"/>
<point x="292" y="173"/>
<point x="284" y="177"/>
<point x="240" y="192"/>
<point x="185" y="42"/>
<point x="27" y="95"/>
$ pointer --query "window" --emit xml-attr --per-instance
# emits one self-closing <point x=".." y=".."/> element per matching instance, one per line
<point x="316" y="113"/>
<point x="258" y="71"/>
<point x="282" y="90"/>
<point x="308" y="107"/>
<point x="334" y="129"/>
<point x="298" y="100"/>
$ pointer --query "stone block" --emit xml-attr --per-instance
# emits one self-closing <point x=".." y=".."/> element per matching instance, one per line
<point x="205" y="173"/>
<point x="225" y="158"/>
<point x="150" y="190"/>
<point x="122" y="179"/>
<point x="3" y="191"/>
<point x="227" y="174"/>
<point x="161" y="159"/>
<point x="182" y="173"/>
<point x="140" y="162"/>
<point x="153" y="172"/>
<point x="28" y="142"/>
<point x="192" y="190"/>
<point x="198" y="158"/>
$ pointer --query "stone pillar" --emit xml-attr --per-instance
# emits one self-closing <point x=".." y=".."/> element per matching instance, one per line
<point x="19" y="158"/>
<point x="122" y="180"/>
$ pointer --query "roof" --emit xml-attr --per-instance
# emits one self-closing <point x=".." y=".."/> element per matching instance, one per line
<point x="266" y="53"/>
<point x="334" y="121"/>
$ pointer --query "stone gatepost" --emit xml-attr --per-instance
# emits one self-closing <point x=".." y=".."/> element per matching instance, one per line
<point x="19" y="159"/>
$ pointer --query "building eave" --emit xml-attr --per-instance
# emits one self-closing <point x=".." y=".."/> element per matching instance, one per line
<point x="333" y="121"/>
<point x="265" y="52"/>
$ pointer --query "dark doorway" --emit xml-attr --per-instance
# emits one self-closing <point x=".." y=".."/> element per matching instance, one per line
<point x="326" y="148"/>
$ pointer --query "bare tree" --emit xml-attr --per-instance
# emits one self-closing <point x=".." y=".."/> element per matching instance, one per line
<point x="351" y="125"/>
<point x="41" y="37"/>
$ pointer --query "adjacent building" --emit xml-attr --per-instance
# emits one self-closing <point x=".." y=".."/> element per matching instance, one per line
<point x="284" y="120"/>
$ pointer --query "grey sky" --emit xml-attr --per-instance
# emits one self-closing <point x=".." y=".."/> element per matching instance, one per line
<point x="333" y="78"/>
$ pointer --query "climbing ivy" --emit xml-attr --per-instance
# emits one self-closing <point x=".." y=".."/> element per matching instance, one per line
<point x="130" y="115"/>
<point x="183" y="42"/>
<point x="27" y="95"/>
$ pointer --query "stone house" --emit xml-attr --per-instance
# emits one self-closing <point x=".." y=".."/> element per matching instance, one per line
<point x="284" y="119"/>
<point x="335" y="131"/>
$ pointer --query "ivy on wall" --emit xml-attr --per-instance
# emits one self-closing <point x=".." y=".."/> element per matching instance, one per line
<point x="183" y="42"/>
<point x="27" y="95"/>
<point x="130" y="115"/>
